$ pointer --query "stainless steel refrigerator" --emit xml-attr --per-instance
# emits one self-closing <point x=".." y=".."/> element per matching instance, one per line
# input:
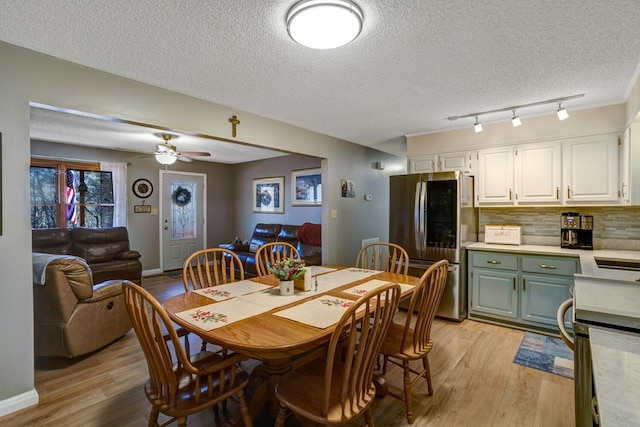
<point x="432" y="216"/>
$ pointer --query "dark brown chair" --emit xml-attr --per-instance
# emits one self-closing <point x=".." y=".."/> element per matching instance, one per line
<point x="407" y="342"/>
<point x="273" y="252"/>
<point x="383" y="256"/>
<point x="179" y="384"/>
<point x="211" y="267"/>
<point x="339" y="387"/>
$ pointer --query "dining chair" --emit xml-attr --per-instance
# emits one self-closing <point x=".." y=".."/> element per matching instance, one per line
<point x="411" y="341"/>
<point x="211" y="267"/>
<point x="383" y="256"/>
<point x="180" y="384"/>
<point x="273" y="252"/>
<point x="334" y="389"/>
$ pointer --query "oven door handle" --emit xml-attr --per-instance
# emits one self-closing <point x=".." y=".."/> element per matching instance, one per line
<point x="564" y="307"/>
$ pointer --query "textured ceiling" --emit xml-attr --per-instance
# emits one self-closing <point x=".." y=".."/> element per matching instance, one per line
<point x="415" y="63"/>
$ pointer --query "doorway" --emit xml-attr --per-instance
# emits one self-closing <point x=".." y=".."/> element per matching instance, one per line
<point x="182" y="209"/>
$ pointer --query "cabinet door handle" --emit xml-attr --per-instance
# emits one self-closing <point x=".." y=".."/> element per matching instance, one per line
<point x="509" y="194"/>
<point x="494" y="262"/>
<point x="568" y="192"/>
<point x="557" y="193"/>
<point x="550" y="267"/>
<point x="594" y="410"/>
<point x="524" y="285"/>
<point x="514" y="283"/>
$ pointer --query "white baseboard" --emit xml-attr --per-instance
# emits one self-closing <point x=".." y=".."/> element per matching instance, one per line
<point x="18" y="402"/>
<point x="152" y="272"/>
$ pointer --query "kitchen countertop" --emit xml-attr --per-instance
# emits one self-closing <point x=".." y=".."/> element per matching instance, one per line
<point x="616" y="372"/>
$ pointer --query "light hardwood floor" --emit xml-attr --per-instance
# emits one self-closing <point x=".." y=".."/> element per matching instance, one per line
<point x="475" y="384"/>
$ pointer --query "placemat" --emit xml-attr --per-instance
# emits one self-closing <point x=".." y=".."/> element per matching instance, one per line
<point x="329" y="281"/>
<point x="220" y="314"/>
<point x="316" y="269"/>
<point x="230" y="290"/>
<point x="320" y="312"/>
<point x="370" y="285"/>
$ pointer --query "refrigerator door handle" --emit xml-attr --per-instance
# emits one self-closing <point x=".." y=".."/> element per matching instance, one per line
<point x="416" y="217"/>
<point x="423" y="216"/>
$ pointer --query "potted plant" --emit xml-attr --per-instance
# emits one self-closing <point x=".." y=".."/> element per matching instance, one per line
<point x="287" y="271"/>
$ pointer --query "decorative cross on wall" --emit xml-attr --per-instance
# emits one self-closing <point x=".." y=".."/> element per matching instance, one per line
<point x="234" y="122"/>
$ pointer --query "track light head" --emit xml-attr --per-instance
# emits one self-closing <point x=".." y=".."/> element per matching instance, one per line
<point x="562" y="113"/>
<point x="515" y="120"/>
<point x="477" y="126"/>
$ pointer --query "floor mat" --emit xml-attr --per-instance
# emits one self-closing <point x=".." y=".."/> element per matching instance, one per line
<point x="545" y="354"/>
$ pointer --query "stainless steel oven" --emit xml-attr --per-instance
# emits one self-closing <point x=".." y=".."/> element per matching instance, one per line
<point x="585" y="393"/>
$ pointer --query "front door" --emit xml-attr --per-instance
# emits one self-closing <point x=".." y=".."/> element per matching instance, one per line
<point x="182" y="211"/>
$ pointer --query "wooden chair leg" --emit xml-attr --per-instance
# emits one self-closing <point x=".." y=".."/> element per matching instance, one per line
<point x="153" y="417"/>
<point x="407" y="391"/>
<point x="368" y="417"/>
<point x="182" y="422"/>
<point x="282" y="414"/>
<point x="244" y="409"/>
<point x="427" y="374"/>
<point x="385" y="359"/>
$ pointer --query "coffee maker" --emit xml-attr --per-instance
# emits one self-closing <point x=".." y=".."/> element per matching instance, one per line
<point x="576" y="231"/>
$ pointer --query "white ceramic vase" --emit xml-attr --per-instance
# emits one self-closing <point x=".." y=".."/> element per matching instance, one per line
<point x="286" y="287"/>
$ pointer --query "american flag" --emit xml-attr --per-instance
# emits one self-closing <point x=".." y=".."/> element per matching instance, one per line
<point x="71" y="198"/>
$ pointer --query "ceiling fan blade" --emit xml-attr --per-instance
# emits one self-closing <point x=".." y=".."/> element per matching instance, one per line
<point x="194" y="153"/>
<point x="185" y="159"/>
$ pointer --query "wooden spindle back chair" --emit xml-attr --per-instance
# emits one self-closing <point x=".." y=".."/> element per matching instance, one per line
<point x="211" y="267"/>
<point x="274" y="252"/>
<point x="383" y="256"/>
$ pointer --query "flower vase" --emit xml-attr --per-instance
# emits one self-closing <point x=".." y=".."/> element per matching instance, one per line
<point x="286" y="287"/>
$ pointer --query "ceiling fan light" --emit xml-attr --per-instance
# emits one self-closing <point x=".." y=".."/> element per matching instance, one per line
<point x="324" y="24"/>
<point x="166" y="158"/>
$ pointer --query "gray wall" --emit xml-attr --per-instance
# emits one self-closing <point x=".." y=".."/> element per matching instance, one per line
<point x="27" y="76"/>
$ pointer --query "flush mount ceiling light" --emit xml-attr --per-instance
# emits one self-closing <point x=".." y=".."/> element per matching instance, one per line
<point x="515" y="120"/>
<point x="324" y="24"/>
<point x="562" y="113"/>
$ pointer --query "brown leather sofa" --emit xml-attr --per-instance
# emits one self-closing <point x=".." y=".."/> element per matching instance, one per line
<point x="72" y="315"/>
<point x="305" y="237"/>
<point x="106" y="250"/>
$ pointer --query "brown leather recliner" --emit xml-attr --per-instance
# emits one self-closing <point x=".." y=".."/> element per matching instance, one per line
<point x="72" y="315"/>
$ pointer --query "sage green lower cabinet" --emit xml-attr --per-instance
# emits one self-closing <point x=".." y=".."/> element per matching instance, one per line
<point x="519" y="290"/>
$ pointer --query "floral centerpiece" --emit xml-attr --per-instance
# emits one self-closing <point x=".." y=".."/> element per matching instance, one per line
<point x="287" y="269"/>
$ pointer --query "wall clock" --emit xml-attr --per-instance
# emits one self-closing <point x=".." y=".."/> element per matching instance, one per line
<point x="142" y="188"/>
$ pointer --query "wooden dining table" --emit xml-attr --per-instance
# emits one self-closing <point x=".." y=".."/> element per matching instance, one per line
<point x="276" y="341"/>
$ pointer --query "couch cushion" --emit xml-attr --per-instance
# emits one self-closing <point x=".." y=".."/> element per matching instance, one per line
<point x="99" y="244"/>
<point x="51" y="241"/>
<point x="289" y="234"/>
<point x="263" y="233"/>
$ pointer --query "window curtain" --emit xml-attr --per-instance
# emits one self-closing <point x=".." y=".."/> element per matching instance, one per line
<point x="119" y="174"/>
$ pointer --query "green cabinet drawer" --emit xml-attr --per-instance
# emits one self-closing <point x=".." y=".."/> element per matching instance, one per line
<point x="494" y="260"/>
<point x="550" y="265"/>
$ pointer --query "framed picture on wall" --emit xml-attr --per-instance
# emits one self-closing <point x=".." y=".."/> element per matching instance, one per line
<point x="306" y="187"/>
<point x="268" y="195"/>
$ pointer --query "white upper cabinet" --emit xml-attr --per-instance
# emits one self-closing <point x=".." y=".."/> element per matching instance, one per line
<point x="590" y="170"/>
<point x="538" y="173"/>
<point x="495" y="183"/>
<point x="629" y="185"/>
<point x="446" y="162"/>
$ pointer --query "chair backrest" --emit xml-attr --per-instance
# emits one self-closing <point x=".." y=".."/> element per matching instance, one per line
<point x="383" y="256"/>
<point x="154" y="329"/>
<point x="273" y="252"/>
<point x="211" y="267"/>
<point x="357" y="348"/>
<point x="423" y="306"/>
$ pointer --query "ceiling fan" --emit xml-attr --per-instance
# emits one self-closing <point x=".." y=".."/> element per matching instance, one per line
<point x="167" y="154"/>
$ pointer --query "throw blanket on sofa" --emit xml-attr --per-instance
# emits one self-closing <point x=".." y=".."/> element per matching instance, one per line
<point x="310" y="233"/>
<point x="40" y="262"/>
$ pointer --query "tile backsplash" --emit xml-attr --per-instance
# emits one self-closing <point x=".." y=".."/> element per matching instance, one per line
<point x="614" y="227"/>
